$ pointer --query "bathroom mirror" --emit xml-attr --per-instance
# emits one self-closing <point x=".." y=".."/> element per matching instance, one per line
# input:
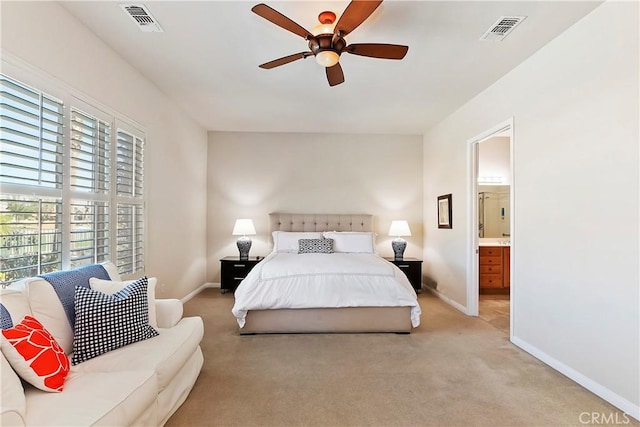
<point x="493" y="211"/>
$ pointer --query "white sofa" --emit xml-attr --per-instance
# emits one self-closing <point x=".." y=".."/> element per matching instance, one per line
<point x="140" y="384"/>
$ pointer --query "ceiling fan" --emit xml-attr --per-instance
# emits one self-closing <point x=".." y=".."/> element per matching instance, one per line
<point x="327" y="41"/>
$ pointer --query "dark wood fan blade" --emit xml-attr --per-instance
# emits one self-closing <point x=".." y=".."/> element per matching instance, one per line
<point x="355" y="14"/>
<point x="284" y="60"/>
<point x="335" y="76"/>
<point x="378" y="50"/>
<point x="280" y="20"/>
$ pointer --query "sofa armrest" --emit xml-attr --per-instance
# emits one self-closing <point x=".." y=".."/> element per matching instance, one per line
<point x="168" y="312"/>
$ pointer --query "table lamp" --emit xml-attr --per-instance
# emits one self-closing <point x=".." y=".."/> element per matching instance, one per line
<point x="399" y="229"/>
<point x="244" y="227"/>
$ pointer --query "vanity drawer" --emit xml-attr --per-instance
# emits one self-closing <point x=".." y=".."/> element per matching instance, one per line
<point x="490" y="251"/>
<point x="491" y="260"/>
<point x="491" y="280"/>
<point x="490" y="269"/>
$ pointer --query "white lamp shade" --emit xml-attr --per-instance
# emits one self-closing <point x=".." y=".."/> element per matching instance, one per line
<point x="243" y="227"/>
<point x="399" y="228"/>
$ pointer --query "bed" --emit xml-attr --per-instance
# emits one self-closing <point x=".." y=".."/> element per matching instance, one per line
<point x="347" y="291"/>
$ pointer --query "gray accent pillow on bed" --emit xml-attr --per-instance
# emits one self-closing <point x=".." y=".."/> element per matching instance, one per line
<point x="315" y="246"/>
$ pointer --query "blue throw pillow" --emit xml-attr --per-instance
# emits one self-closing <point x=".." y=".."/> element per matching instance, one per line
<point x="5" y="318"/>
<point x="107" y="322"/>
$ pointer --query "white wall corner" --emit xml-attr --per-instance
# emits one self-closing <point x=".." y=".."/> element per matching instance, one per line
<point x="449" y="301"/>
<point x="198" y="290"/>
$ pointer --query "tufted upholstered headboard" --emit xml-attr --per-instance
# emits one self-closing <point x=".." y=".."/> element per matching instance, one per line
<point x="319" y="222"/>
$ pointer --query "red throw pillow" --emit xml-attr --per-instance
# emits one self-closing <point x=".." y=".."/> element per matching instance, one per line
<point x="35" y="355"/>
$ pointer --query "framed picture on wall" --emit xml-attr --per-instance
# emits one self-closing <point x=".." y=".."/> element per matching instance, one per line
<point x="444" y="211"/>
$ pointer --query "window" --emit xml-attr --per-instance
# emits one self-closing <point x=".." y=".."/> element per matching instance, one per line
<point x="89" y="181"/>
<point x="31" y="125"/>
<point x="89" y="227"/>
<point x="90" y="148"/>
<point x="62" y="204"/>
<point x="30" y="237"/>
<point x="130" y="209"/>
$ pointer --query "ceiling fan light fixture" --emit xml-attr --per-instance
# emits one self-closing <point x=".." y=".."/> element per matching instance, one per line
<point x="327" y="19"/>
<point x="327" y="58"/>
<point x="327" y="41"/>
<point x="322" y="29"/>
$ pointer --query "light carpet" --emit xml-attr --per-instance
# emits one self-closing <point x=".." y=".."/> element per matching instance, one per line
<point x="453" y="370"/>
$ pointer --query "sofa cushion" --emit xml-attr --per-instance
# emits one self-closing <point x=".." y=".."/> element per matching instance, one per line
<point x="107" y="322"/>
<point x="110" y="287"/>
<point x="166" y="353"/>
<point x="35" y="355"/>
<point x="94" y="398"/>
<point x="13" y="404"/>
<point x="112" y="270"/>
<point x="47" y="308"/>
<point x="15" y="303"/>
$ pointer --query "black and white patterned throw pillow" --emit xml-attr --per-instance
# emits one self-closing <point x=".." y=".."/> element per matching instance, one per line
<point x="315" y="246"/>
<point x="107" y="322"/>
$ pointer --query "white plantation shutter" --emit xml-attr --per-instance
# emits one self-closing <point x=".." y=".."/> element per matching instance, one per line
<point x="31" y="160"/>
<point x="130" y="247"/>
<point x="90" y="152"/>
<point x="71" y="195"/>
<point x="129" y="195"/>
<point x="90" y="175"/>
<point x="31" y="136"/>
<point x="129" y="161"/>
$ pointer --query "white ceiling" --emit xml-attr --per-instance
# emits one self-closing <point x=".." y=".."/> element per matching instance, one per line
<point x="207" y="60"/>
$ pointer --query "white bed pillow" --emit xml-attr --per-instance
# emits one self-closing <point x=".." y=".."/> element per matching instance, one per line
<point x="110" y="287"/>
<point x="287" y="241"/>
<point x="352" y="241"/>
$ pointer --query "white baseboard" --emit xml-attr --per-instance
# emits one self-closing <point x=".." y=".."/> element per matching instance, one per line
<point x="616" y="400"/>
<point x="629" y="408"/>
<point x="448" y="300"/>
<point x="198" y="290"/>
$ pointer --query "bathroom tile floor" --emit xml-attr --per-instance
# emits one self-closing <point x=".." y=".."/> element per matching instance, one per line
<point x="494" y="309"/>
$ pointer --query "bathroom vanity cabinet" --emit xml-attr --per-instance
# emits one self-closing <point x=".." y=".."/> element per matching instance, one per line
<point x="495" y="269"/>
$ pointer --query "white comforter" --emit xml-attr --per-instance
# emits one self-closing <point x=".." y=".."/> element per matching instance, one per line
<point x="286" y="280"/>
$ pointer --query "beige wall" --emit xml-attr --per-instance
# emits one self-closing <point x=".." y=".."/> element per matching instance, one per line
<point x="253" y="174"/>
<point x="39" y="40"/>
<point x="576" y="243"/>
<point x="575" y="103"/>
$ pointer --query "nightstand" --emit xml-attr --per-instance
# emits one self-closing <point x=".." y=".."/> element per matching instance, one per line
<point x="412" y="268"/>
<point x="233" y="270"/>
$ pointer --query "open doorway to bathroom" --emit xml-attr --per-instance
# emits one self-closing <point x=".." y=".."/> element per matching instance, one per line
<point x="490" y="262"/>
<point x="494" y="231"/>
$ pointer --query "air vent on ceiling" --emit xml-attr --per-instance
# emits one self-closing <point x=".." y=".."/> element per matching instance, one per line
<point x="142" y="17"/>
<point x="502" y="27"/>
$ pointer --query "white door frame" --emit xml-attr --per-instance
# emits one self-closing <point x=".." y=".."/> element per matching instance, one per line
<point x="473" y="290"/>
